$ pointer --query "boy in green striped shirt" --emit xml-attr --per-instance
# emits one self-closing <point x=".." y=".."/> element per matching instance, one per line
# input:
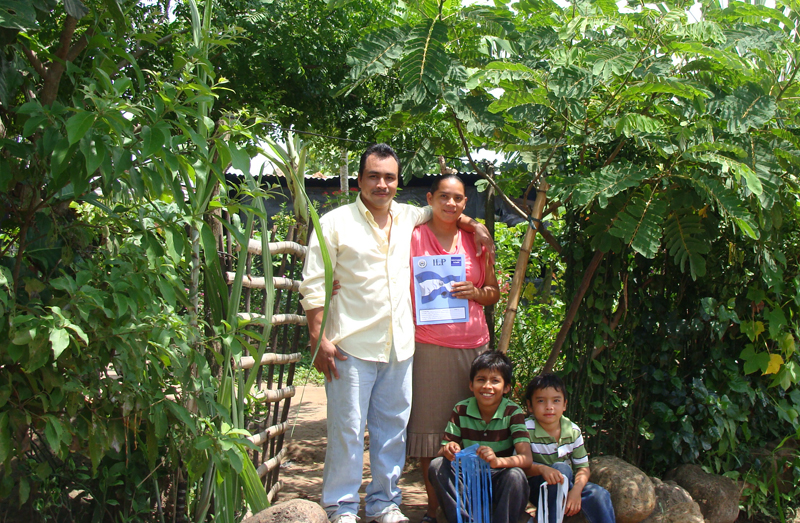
<point x="557" y="446"/>
<point x="498" y="426"/>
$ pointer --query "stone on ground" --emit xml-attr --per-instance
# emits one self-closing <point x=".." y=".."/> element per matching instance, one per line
<point x="673" y="504"/>
<point x="293" y="511"/>
<point x="632" y="492"/>
<point x="717" y="496"/>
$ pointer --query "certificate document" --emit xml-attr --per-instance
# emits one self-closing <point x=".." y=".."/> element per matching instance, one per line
<point x="433" y="282"/>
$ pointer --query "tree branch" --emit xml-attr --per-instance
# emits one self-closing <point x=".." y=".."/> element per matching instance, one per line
<point x="789" y="81"/>
<point x="483" y="174"/>
<point x="573" y="311"/>
<point x="34" y="61"/>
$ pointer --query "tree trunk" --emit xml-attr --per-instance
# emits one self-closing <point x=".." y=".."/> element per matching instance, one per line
<point x="344" y="183"/>
<point x="522" y="266"/>
<point x="573" y="310"/>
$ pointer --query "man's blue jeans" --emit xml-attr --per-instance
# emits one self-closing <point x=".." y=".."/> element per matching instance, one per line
<point x="595" y="500"/>
<point x="378" y="395"/>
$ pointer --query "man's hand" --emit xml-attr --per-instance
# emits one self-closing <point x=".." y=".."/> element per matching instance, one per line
<point x="449" y="451"/>
<point x="488" y="455"/>
<point x="573" y="502"/>
<point x="484" y="241"/>
<point x="551" y="475"/>
<point x="325" y="362"/>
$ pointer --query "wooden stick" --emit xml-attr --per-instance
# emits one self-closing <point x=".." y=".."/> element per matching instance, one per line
<point x="519" y="272"/>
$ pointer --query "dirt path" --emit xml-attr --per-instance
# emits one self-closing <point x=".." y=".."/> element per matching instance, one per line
<point x="301" y="474"/>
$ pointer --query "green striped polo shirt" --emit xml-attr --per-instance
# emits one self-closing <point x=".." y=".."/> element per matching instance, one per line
<point x="569" y="448"/>
<point x="504" y="430"/>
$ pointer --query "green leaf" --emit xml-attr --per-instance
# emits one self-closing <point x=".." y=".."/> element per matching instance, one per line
<point x="18" y="14"/>
<point x="516" y="98"/>
<point x="33" y="124"/>
<point x="180" y="412"/>
<point x="776" y="319"/>
<point x="94" y="152"/>
<point x="426" y="62"/>
<point x="727" y="203"/>
<point x="629" y="123"/>
<point x="254" y="493"/>
<point x="653" y="84"/>
<point x="607" y="182"/>
<point x="115" y="11"/>
<point x="152" y="141"/>
<point x="375" y="54"/>
<point x="786" y="344"/>
<point x="754" y="362"/>
<point x="6" y="445"/>
<point x="240" y="159"/>
<point x="687" y="240"/>
<point x="419" y="163"/>
<point x="640" y="223"/>
<point x="59" y="338"/>
<point x="52" y="432"/>
<point x="78" y="125"/>
<point x="748" y="107"/>
<point x="75" y="8"/>
<point x="753" y="329"/>
<point x="24" y="490"/>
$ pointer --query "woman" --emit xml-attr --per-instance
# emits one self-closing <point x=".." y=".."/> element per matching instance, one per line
<point x="450" y="346"/>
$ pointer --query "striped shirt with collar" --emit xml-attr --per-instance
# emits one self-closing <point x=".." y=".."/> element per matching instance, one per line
<point x="506" y="428"/>
<point x="568" y="449"/>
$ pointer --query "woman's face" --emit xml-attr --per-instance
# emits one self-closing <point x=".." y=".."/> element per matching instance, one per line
<point x="449" y="201"/>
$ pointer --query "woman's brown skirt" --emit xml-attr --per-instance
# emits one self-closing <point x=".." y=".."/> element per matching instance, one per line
<point x="440" y="380"/>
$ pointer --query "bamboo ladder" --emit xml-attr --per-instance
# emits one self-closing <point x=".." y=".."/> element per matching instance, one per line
<point x="272" y="390"/>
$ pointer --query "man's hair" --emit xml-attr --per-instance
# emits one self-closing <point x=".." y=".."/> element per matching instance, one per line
<point x="544" y="381"/>
<point x="492" y="360"/>
<point x="437" y="181"/>
<point x="381" y="150"/>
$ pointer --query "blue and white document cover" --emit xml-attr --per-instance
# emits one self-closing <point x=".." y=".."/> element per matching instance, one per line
<point x="433" y="282"/>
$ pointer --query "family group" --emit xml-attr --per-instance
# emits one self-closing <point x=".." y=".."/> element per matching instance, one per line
<point x="374" y="354"/>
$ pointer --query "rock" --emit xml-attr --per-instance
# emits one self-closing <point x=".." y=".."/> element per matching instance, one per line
<point x="577" y="518"/>
<point x="293" y="511"/>
<point x="717" y="496"/>
<point x="673" y="504"/>
<point x="632" y="492"/>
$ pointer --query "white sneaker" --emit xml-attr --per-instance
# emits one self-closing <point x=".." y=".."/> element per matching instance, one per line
<point x="391" y="514"/>
<point x="345" y="518"/>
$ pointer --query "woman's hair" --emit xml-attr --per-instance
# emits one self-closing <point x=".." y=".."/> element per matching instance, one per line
<point x="437" y="181"/>
<point x="492" y="360"/>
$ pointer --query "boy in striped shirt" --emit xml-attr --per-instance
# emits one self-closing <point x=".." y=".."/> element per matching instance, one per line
<point x="556" y="442"/>
<point x="498" y="426"/>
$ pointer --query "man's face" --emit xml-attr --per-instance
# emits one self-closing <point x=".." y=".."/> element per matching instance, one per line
<point x="378" y="182"/>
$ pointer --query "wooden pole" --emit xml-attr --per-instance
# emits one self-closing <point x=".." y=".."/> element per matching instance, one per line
<point x="520" y="269"/>
<point x="344" y="183"/>
<point x="490" y="310"/>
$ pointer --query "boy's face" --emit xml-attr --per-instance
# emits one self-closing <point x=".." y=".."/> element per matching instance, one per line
<point x="547" y="405"/>
<point x="488" y="386"/>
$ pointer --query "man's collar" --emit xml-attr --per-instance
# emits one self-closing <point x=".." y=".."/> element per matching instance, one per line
<point x="366" y="213"/>
<point x="475" y="412"/>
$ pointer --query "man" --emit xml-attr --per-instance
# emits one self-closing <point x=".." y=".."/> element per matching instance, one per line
<point x="367" y="348"/>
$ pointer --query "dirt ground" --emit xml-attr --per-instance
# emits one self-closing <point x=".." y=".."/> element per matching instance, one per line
<point x="301" y="473"/>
